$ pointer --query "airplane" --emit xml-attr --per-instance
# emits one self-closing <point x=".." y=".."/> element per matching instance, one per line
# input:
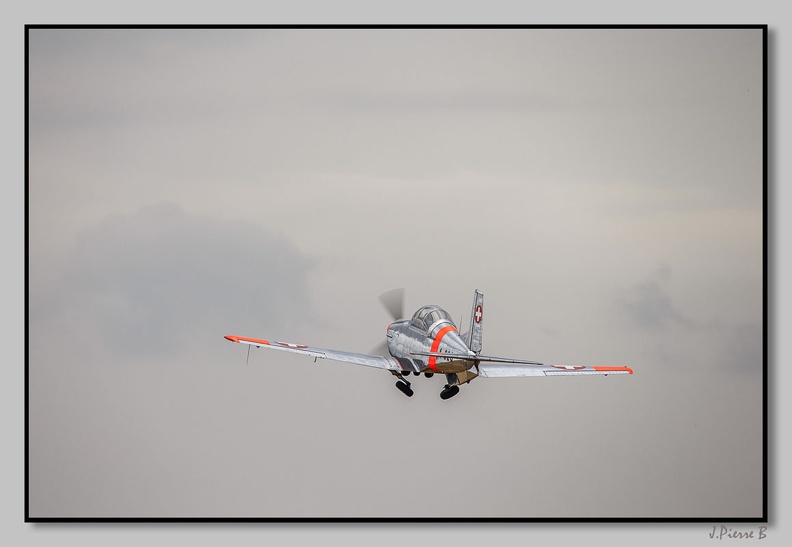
<point x="429" y="343"/>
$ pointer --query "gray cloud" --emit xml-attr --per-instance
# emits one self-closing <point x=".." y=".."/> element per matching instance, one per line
<point x="147" y="280"/>
<point x="650" y="307"/>
<point x="742" y="348"/>
<point x="691" y="337"/>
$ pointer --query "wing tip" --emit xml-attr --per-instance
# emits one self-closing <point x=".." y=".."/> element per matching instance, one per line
<point x="254" y="341"/>
<point x="614" y="369"/>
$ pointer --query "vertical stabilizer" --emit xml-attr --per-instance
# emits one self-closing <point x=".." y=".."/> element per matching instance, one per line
<point x="476" y="322"/>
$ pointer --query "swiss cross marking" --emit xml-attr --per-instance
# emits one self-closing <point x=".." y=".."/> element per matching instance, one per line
<point x="478" y="315"/>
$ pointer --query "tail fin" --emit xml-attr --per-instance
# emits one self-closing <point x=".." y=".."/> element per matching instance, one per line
<point x="476" y="322"/>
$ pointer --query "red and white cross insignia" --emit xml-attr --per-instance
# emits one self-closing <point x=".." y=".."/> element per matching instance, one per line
<point x="479" y="314"/>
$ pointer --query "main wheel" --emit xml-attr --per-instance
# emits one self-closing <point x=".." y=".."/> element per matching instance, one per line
<point x="404" y="388"/>
<point x="449" y="392"/>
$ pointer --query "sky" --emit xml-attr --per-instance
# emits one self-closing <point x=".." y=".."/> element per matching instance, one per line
<point x="602" y="189"/>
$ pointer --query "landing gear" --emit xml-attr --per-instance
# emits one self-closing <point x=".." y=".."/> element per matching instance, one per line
<point x="448" y="392"/>
<point x="404" y="387"/>
<point x="428" y="374"/>
<point x="402" y="384"/>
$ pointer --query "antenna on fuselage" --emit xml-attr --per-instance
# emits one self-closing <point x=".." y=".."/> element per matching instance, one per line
<point x="248" y="355"/>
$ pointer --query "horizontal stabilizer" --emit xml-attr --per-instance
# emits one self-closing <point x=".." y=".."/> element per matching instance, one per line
<point x="462" y="356"/>
<point x="477" y="358"/>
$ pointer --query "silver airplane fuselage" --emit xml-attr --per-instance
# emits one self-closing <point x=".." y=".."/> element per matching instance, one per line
<point x="430" y="331"/>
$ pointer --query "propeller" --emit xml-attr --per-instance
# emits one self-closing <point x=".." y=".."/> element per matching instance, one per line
<point x="393" y="302"/>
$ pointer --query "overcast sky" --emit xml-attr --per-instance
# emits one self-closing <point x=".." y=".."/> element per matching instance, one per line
<point x="602" y="188"/>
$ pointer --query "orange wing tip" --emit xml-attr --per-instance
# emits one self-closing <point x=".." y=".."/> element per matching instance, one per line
<point x="614" y="369"/>
<point x="254" y="340"/>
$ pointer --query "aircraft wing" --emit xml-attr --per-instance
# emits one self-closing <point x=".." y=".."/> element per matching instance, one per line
<point x="377" y="361"/>
<point x="510" y="368"/>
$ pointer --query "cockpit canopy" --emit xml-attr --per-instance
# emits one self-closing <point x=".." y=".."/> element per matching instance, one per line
<point x="427" y="316"/>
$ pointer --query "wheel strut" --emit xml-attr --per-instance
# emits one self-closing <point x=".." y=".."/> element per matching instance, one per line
<point x="403" y="385"/>
<point x="404" y="388"/>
